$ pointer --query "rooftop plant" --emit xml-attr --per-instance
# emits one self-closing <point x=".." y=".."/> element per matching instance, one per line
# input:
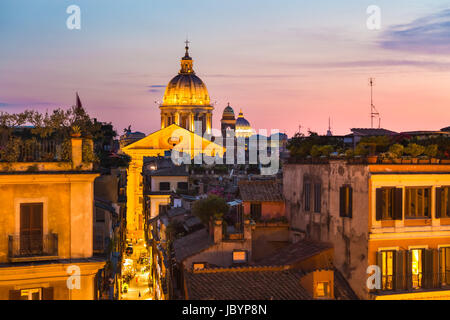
<point x="414" y="150"/>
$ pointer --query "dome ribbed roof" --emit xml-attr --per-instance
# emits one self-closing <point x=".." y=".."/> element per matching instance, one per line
<point x="243" y="128"/>
<point x="186" y="88"/>
<point x="228" y="113"/>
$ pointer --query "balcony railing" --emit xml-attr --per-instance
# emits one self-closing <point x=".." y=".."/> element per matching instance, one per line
<point x="28" y="246"/>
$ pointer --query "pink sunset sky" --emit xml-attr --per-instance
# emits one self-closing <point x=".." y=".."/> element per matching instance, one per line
<point x="284" y="63"/>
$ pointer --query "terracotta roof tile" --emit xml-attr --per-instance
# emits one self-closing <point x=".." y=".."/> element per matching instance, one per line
<point x="295" y="252"/>
<point x="246" y="285"/>
<point x="261" y="190"/>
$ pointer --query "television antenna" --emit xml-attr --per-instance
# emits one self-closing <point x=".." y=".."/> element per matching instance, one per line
<point x="373" y="111"/>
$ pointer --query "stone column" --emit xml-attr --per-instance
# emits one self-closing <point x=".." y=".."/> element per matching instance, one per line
<point x="208" y="122"/>
<point x="177" y="118"/>
<point x="163" y="120"/>
<point x="191" y="122"/>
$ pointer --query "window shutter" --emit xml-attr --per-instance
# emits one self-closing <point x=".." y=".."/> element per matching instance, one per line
<point x="435" y="270"/>
<point x="428" y="271"/>
<point x="399" y="270"/>
<point x="379" y="204"/>
<point x="438" y="202"/>
<point x="439" y="264"/>
<point x="398" y="205"/>
<point x="342" y="201"/>
<point x="380" y="264"/>
<point x="47" y="293"/>
<point x="350" y="200"/>
<point x="408" y="270"/>
<point x="14" y="294"/>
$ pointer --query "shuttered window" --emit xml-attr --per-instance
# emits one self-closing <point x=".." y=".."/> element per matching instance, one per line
<point x="317" y="197"/>
<point x="444" y="266"/>
<point x="389" y="203"/>
<point x="345" y="201"/>
<point x="418" y="203"/>
<point x="307" y="195"/>
<point x="31" y="228"/>
<point x="443" y="202"/>
<point x="255" y="211"/>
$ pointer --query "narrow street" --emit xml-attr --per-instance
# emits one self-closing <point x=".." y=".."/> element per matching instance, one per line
<point x="138" y="286"/>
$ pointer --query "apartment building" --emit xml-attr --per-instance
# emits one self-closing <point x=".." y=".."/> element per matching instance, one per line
<point x="46" y="223"/>
<point x="394" y="216"/>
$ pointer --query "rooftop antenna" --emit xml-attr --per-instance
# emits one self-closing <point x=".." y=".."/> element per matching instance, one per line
<point x="329" y="133"/>
<point x="373" y="111"/>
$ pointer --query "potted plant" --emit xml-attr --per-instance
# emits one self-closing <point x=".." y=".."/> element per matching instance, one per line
<point x="396" y="151"/>
<point x="76" y="132"/>
<point x="385" y="157"/>
<point x="372" y="158"/>
<point x="414" y="150"/>
<point x="431" y="151"/>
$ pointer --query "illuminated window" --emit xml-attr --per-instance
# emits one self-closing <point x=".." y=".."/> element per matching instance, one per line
<point x="387" y="270"/>
<point x="31" y="294"/>
<point x="416" y="268"/>
<point x="322" y="289"/>
<point x="345" y="201"/>
<point x="418" y="203"/>
<point x="444" y="263"/>
<point x="239" y="256"/>
<point x="198" y="266"/>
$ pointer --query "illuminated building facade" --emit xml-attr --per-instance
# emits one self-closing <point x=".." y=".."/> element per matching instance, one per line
<point x="47" y="223"/>
<point x="396" y="217"/>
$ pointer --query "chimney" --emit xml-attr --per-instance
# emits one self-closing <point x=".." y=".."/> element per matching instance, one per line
<point x="247" y="230"/>
<point x="217" y="229"/>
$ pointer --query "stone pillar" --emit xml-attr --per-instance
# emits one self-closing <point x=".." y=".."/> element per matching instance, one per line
<point x="163" y="120"/>
<point x="191" y="122"/>
<point x="177" y="118"/>
<point x="77" y="152"/>
<point x="208" y="122"/>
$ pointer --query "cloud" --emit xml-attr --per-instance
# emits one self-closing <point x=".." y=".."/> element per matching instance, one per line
<point x="155" y="88"/>
<point x="429" y="34"/>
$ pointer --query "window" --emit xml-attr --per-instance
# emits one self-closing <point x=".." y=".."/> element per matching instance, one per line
<point x="182" y="185"/>
<point x="31" y="294"/>
<point x="164" y="186"/>
<point x="389" y="203"/>
<point x="255" y="211"/>
<point x="418" y="203"/>
<point x="416" y="268"/>
<point x="317" y="197"/>
<point x="387" y="269"/>
<point x="239" y="256"/>
<point x="345" y="201"/>
<point x="307" y="194"/>
<point x="323" y="289"/>
<point x="198" y="265"/>
<point x="31" y="228"/>
<point x="444" y="263"/>
<point x="443" y="202"/>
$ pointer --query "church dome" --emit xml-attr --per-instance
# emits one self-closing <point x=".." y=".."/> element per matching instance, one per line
<point x="243" y="128"/>
<point x="186" y="88"/>
<point x="228" y="113"/>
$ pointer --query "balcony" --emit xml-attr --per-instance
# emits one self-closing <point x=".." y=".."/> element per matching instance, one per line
<point x="32" y="248"/>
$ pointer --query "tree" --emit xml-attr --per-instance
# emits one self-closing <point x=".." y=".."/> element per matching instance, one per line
<point x="212" y="206"/>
